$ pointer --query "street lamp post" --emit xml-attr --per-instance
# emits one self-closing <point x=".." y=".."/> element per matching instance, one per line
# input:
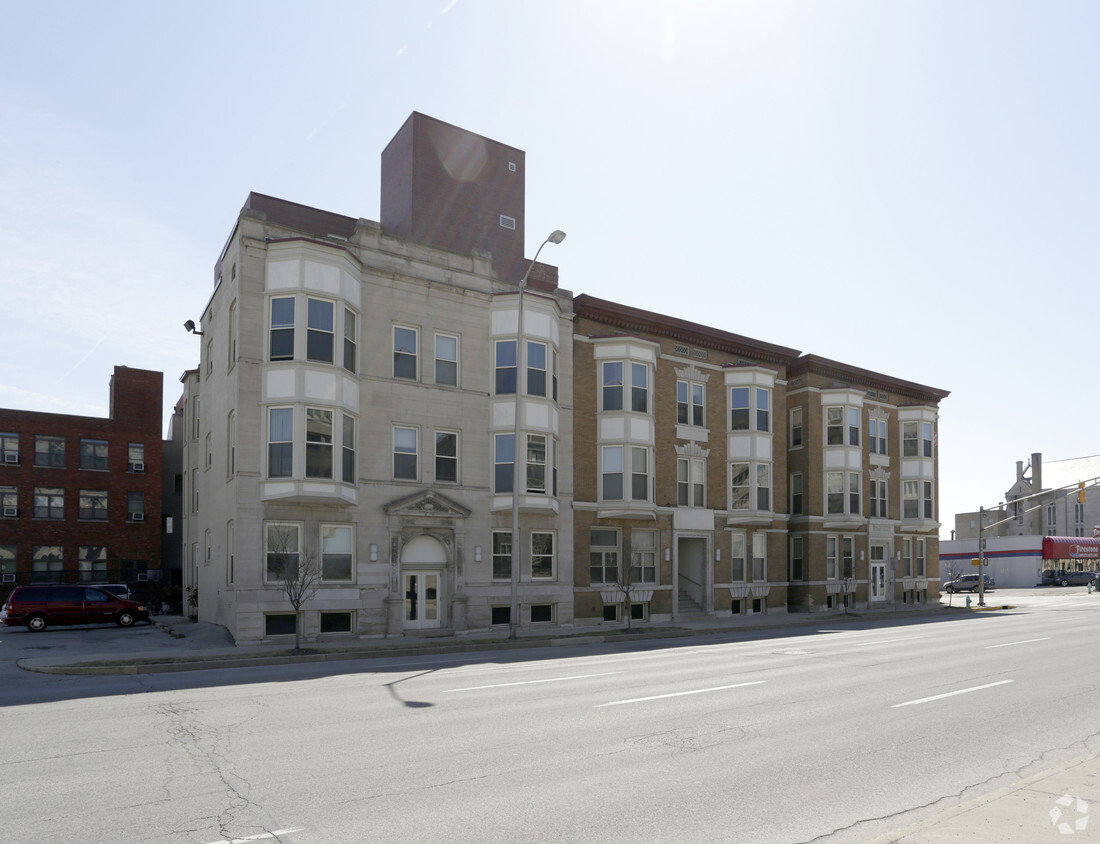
<point x="518" y="468"/>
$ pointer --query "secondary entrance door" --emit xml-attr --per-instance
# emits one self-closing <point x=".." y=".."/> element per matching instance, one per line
<point x="421" y="599"/>
<point x="878" y="573"/>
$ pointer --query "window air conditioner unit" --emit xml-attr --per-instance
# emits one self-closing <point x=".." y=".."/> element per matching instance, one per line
<point x="9" y="578"/>
<point x="137" y="517"/>
<point x="137" y="466"/>
<point x="11" y="512"/>
<point x="11" y="457"/>
<point x="142" y="576"/>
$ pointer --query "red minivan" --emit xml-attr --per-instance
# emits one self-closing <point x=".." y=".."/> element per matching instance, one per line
<point x="42" y="605"/>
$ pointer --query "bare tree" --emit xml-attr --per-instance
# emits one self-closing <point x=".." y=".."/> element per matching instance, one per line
<point x="297" y="571"/>
<point x="625" y="580"/>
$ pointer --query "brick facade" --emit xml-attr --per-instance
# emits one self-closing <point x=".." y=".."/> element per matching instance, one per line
<point x="54" y="494"/>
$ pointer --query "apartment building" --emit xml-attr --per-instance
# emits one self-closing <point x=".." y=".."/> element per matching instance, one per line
<point x="722" y="475"/>
<point x="355" y="408"/>
<point x="81" y="495"/>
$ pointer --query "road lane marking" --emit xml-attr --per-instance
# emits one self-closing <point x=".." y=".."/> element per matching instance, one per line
<point x="951" y="694"/>
<point x="532" y="682"/>
<point x="262" y="837"/>
<point x="680" y="694"/>
<point x="884" y="641"/>
<point x="1024" y="642"/>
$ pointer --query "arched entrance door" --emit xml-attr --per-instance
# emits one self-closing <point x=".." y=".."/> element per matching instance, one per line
<point x="423" y="561"/>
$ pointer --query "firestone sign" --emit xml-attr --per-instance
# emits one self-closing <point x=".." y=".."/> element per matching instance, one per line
<point x="1089" y="551"/>
<point x="1070" y="548"/>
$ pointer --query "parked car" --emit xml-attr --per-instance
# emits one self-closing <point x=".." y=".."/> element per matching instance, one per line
<point x="1073" y="578"/>
<point x="120" y="589"/>
<point x="42" y="605"/>
<point x="967" y="583"/>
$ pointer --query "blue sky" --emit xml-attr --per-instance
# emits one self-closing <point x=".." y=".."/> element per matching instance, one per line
<point x="908" y="187"/>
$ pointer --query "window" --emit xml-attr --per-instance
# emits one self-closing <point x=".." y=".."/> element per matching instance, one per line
<point x="446" y="360"/>
<point x="446" y="456"/>
<point x="351" y="337"/>
<point x="49" y="451"/>
<point x="763" y="486"/>
<point x="507" y="222"/>
<point x="47" y="564"/>
<point x="542" y="613"/>
<point x="196" y="419"/>
<point x="536" y="369"/>
<point x="554" y="374"/>
<point x="916" y="439"/>
<point x="910" y="499"/>
<point x="135" y="506"/>
<point x="831" y="550"/>
<point x="7" y="563"/>
<point x="280" y="624"/>
<point x="689" y="403"/>
<point x="209" y="453"/>
<point x="404" y="352"/>
<point x="878" y="499"/>
<point x="335" y="622"/>
<point x="336" y="545"/>
<point x="318" y="443"/>
<point x="834" y="426"/>
<point x="232" y="345"/>
<point x="643" y="556"/>
<point x="739" y="486"/>
<point x="230" y="552"/>
<point x="612" y="386"/>
<point x="691" y="479"/>
<point x="737" y="557"/>
<point x="49" y="503"/>
<point x="93" y="505"/>
<point x="536" y="463"/>
<point x="501" y="615"/>
<point x="919" y="546"/>
<point x="876" y="433"/>
<point x="926" y="489"/>
<point x="603" y="555"/>
<point x="612" y="473"/>
<point x="9" y="448"/>
<point x="542" y="554"/>
<point x="194" y="490"/>
<point x="9" y="501"/>
<point x="504" y="462"/>
<point x="135" y="457"/>
<point x="502" y="555"/>
<point x="639" y="388"/>
<point x="796" y="427"/>
<point x="796" y="494"/>
<point x="842" y="493"/>
<point x="91" y="563"/>
<point x="281" y="549"/>
<point x="798" y="570"/>
<point x="347" y="461"/>
<point x="759" y="557"/>
<point x="849" y="558"/>
<point x="231" y="444"/>
<point x="639" y="474"/>
<point x="320" y="330"/>
<point x="280" y="442"/>
<point x="907" y="556"/>
<point x="282" y="329"/>
<point x="853" y="426"/>
<point x="404" y="453"/>
<point x="505" y="367"/>
<point x="747" y="405"/>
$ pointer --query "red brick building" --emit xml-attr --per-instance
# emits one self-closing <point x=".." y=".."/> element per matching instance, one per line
<point x="80" y="496"/>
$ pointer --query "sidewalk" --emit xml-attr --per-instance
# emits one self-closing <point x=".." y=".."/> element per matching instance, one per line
<point x="203" y="646"/>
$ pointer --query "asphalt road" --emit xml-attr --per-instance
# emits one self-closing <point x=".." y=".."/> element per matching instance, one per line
<point x="840" y="733"/>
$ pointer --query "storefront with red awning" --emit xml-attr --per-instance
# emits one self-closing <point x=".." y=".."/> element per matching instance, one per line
<point x="1082" y="549"/>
